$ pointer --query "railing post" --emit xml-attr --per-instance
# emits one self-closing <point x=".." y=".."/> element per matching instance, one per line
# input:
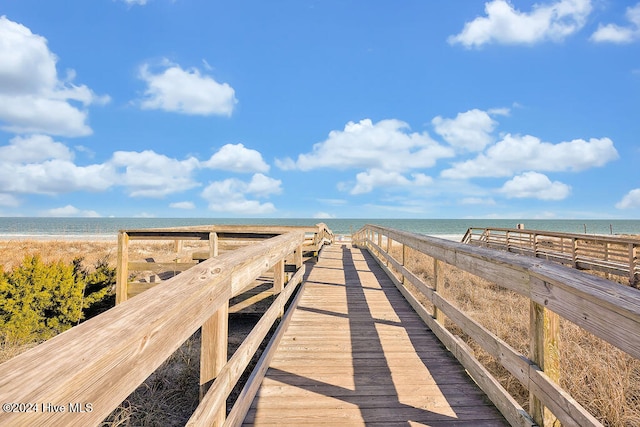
<point x="404" y="260"/>
<point x="213" y="352"/>
<point x="213" y="245"/>
<point x="278" y="281"/>
<point x="574" y="252"/>
<point x="122" y="269"/>
<point x="437" y="286"/>
<point x="633" y="263"/>
<point x="298" y="257"/>
<point x="389" y="245"/>
<point x="544" y="331"/>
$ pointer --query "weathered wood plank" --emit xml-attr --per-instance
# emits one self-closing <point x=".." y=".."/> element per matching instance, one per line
<point x="354" y="342"/>
<point x="103" y="360"/>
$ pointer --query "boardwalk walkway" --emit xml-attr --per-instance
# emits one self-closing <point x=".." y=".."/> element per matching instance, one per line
<point x="355" y="353"/>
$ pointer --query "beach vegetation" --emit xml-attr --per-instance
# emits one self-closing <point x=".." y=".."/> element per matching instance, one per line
<point x="39" y="300"/>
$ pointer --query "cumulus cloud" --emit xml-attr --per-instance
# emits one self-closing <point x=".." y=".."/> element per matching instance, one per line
<point x="470" y="131"/>
<point x="232" y="195"/>
<point x="34" y="149"/>
<point x="514" y="154"/>
<point x="385" y="150"/>
<point x="504" y="24"/>
<point x="149" y="174"/>
<point x="237" y="158"/>
<point x="323" y="215"/>
<point x="375" y="178"/>
<point x="71" y="211"/>
<point x="188" y="91"/>
<point x="612" y="33"/>
<point x="387" y="145"/>
<point x="630" y="200"/>
<point x="535" y="185"/>
<point x="32" y="97"/>
<point x="40" y="165"/>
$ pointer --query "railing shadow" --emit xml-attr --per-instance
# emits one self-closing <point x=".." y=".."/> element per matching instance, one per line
<point x="385" y="336"/>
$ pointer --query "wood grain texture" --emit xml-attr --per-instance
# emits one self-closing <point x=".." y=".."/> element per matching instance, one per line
<point x="104" y="359"/>
<point x="355" y="352"/>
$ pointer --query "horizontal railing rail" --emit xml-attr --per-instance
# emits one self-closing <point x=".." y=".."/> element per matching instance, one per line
<point x="553" y="290"/>
<point x="80" y="376"/>
<point x="218" y="237"/>
<point x="609" y="254"/>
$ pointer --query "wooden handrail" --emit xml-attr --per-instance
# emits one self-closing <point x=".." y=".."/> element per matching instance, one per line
<point x="609" y="254"/>
<point x="584" y="299"/>
<point x="80" y="376"/>
<point x="232" y="235"/>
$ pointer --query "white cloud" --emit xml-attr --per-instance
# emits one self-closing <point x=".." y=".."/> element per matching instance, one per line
<point x="535" y="185"/>
<point x="9" y="200"/>
<point x="182" y="205"/>
<point x="186" y="91"/>
<point x="366" y="181"/>
<point x="231" y="195"/>
<point x="469" y="131"/>
<point x="323" y="215"/>
<point x="630" y="200"/>
<point x="504" y="24"/>
<point x="149" y="174"/>
<point x="613" y="33"/>
<point x="40" y="165"/>
<point x="237" y="158"/>
<point x="373" y="178"/>
<point x="138" y="2"/>
<point x="34" y="149"/>
<point x="32" y="98"/>
<point x="514" y="154"/>
<point x="71" y="211"/>
<point x="263" y="186"/>
<point x="386" y="145"/>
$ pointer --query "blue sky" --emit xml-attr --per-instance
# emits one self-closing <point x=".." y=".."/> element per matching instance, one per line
<point x="326" y="109"/>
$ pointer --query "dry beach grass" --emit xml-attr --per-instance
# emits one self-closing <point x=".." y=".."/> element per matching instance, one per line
<point x="603" y="379"/>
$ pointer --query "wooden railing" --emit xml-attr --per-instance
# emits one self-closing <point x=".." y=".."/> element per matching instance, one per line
<point x="80" y="376"/>
<point x="219" y="238"/>
<point x="609" y="254"/>
<point x="612" y="314"/>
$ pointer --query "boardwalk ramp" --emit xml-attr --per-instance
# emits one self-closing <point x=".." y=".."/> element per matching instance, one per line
<point x="355" y="353"/>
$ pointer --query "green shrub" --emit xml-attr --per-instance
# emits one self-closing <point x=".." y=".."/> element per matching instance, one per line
<point x="38" y="300"/>
<point x="99" y="286"/>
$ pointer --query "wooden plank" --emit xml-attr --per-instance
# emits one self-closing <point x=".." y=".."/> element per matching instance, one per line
<point x="207" y="412"/>
<point x="340" y="352"/>
<point x="543" y="386"/>
<point x="243" y="403"/>
<point x="213" y="353"/>
<point x="122" y="273"/>
<point x="159" y="267"/>
<point x="104" y="359"/>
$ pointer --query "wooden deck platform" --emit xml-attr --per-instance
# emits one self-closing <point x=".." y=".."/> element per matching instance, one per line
<point x="355" y="353"/>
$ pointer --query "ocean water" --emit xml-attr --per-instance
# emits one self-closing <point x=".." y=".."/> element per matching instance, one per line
<point x="454" y="229"/>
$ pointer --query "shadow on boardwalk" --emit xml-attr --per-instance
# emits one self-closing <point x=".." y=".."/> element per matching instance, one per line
<point x="356" y="353"/>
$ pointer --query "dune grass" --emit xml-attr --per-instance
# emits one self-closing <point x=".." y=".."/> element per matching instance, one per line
<point x="602" y="378"/>
<point x="605" y="380"/>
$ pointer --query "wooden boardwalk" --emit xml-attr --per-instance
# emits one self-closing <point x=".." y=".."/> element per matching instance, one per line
<point x="355" y="353"/>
